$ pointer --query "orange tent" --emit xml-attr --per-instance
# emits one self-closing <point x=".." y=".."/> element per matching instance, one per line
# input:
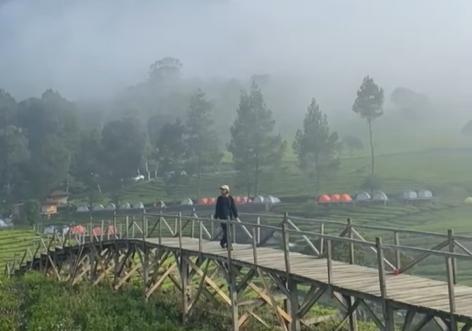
<point x="346" y="197"/>
<point x="335" y="197"/>
<point x="78" y="229"/>
<point x="203" y="201"/>
<point x="324" y="198"/>
<point x="97" y="231"/>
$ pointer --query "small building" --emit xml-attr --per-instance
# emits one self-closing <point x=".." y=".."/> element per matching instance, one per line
<point x="48" y="209"/>
<point x="60" y="198"/>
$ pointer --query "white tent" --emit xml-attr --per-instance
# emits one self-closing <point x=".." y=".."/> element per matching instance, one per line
<point x="110" y="207"/>
<point x="82" y="209"/>
<point x="186" y="202"/>
<point x="4" y="224"/>
<point x="409" y="195"/>
<point x="468" y="201"/>
<point x="50" y="229"/>
<point x="98" y="206"/>
<point x="425" y="194"/>
<point x="138" y="205"/>
<point x="259" y="199"/>
<point x="125" y="205"/>
<point x="363" y="196"/>
<point x="271" y="200"/>
<point x="379" y="196"/>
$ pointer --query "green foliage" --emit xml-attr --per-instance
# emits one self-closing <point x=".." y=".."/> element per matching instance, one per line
<point x="122" y="148"/>
<point x="316" y="147"/>
<point x="37" y="303"/>
<point x="31" y="212"/>
<point x="253" y="144"/>
<point x="413" y="105"/>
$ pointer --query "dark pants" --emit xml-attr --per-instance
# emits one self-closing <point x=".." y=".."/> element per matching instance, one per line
<point x="224" y="238"/>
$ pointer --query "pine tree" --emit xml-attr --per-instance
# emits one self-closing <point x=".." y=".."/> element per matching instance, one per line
<point x="315" y="146"/>
<point x="253" y="144"/>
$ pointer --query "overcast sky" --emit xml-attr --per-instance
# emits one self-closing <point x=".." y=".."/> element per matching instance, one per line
<point x="92" y="48"/>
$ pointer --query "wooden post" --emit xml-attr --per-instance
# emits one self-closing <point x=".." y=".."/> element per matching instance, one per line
<point x="292" y="298"/>
<point x="200" y="237"/>
<point x="115" y="228"/>
<point x="329" y="261"/>
<point x="322" y="232"/>
<point x="127" y="226"/>
<point x="387" y="308"/>
<point x="143" y="221"/>
<point x="254" y="245"/>
<point x="102" y="227"/>
<point x="351" y="244"/>
<point x="232" y="282"/>
<point x="179" y="222"/>
<point x="350" y="300"/>
<point x="212" y="226"/>
<point x="452" y="297"/>
<point x="159" y="230"/>
<point x="258" y="222"/>
<point x="450" y="235"/>
<point x="184" y="273"/>
<point x="192" y="234"/>
<point x="396" y="241"/>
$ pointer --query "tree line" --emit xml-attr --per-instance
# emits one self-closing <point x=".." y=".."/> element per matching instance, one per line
<point x="44" y="144"/>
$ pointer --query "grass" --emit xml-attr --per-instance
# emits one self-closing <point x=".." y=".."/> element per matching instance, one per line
<point x="14" y="242"/>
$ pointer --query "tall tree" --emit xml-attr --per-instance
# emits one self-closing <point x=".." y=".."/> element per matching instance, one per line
<point x="369" y="105"/>
<point x="202" y="144"/>
<point x="171" y="154"/>
<point x="8" y="109"/>
<point x="315" y="146"/>
<point x="122" y="144"/>
<point x="14" y="155"/>
<point x="253" y="144"/>
<point x="52" y="131"/>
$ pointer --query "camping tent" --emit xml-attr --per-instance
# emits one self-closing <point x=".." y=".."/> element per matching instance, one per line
<point x="138" y="205"/>
<point x="98" y="206"/>
<point x="82" y="209"/>
<point x="110" y="207"/>
<point x="468" y="201"/>
<point x="78" y="229"/>
<point x="324" y="198"/>
<point x="4" y="224"/>
<point x="362" y="196"/>
<point x="259" y="199"/>
<point x="272" y="200"/>
<point x="97" y="231"/>
<point x="409" y="195"/>
<point x="425" y="194"/>
<point x="125" y="205"/>
<point x="380" y="196"/>
<point x="335" y="197"/>
<point x="346" y="198"/>
<point x="186" y="202"/>
<point x="202" y="201"/>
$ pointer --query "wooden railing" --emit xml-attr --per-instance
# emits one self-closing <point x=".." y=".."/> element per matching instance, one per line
<point x="327" y="239"/>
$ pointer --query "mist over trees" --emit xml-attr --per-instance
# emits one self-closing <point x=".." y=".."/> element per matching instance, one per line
<point x="315" y="145"/>
<point x="254" y="145"/>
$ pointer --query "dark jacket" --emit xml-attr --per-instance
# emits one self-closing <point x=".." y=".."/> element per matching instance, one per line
<point x="225" y="208"/>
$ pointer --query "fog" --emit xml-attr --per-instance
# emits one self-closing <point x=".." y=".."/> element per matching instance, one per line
<point x="94" y="48"/>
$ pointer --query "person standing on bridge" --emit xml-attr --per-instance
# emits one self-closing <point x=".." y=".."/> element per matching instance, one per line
<point x="225" y="210"/>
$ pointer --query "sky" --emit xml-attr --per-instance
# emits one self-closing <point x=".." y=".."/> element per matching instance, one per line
<point x="95" y="48"/>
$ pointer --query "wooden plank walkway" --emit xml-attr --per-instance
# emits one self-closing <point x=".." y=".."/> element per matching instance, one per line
<point x="402" y="289"/>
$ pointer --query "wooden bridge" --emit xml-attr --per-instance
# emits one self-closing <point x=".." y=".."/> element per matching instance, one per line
<point x="275" y="269"/>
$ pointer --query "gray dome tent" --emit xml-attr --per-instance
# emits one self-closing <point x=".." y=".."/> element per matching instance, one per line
<point x="82" y="209"/>
<point x="271" y="200"/>
<point x="138" y="205"/>
<point x="362" y="196"/>
<point x="259" y="199"/>
<point x="110" y="207"/>
<point x="379" y="196"/>
<point x="125" y="205"/>
<point x="409" y="195"/>
<point x="425" y="194"/>
<point x="186" y="202"/>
